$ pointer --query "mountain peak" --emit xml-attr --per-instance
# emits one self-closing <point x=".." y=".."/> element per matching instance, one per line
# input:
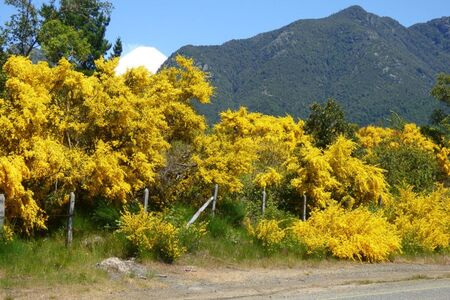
<point x="370" y="64"/>
<point x="354" y="11"/>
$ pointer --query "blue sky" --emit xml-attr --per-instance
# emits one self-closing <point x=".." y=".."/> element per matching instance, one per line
<point x="169" y="24"/>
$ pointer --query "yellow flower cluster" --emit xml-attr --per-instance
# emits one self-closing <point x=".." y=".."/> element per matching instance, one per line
<point x="350" y="234"/>
<point x="246" y="143"/>
<point x="101" y="135"/>
<point x="334" y="174"/>
<point x="7" y="235"/>
<point x="267" y="232"/>
<point x="269" y="178"/>
<point x="443" y="157"/>
<point x="147" y="231"/>
<point x="423" y="220"/>
<point x="410" y="135"/>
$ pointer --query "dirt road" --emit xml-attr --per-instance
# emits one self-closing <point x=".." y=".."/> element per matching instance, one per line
<point x="337" y="280"/>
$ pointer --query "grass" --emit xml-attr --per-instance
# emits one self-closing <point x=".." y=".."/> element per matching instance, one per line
<point x="228" y="243"/>
<point x="48" y="260"/>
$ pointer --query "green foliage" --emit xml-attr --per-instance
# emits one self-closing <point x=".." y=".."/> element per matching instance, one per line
<point x="439" y="130"/>
<point x="326" y="122"/>
<point x="22" y="28"/>
<point x="59" y="40"/>
<point x="441" y="90"/>
<point x="117" y="48"/>
<point x="89" y="18"/>
<point x="105" y="214"/>
<point x="218" y="227"/>
<point x="231" y="210"/>
<point x="276" y="206"/>
<point x="407" y="164"/>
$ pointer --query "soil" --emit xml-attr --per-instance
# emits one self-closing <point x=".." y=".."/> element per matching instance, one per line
<point x="234" y="281"/>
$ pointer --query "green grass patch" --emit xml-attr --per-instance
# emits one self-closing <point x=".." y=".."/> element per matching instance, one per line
<point x="48" y="260"/>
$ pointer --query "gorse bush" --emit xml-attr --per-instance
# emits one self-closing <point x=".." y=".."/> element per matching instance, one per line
<point x="350" y="234"/>
<point x="268" y="232"/>
<point x="422" y="220"/>
<point x="147" y="231"/>
<point x="150" y="232"/>
<point x="103" y="135"/>
<point x="6" y="235"/>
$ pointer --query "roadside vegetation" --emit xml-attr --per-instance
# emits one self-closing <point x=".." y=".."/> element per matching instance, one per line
<point x="371" y="193"/>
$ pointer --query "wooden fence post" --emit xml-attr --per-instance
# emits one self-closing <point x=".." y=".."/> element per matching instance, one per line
<point x="263" y="207"/>
<point x="380" y="201"/>
<point x="216" y="190"/>
<point x="304" y="207"/>
<point x="201" y="209"/>
<point x="2" y="211"/>
<point x="145" y="199"/>
<point x="70" y="219"/>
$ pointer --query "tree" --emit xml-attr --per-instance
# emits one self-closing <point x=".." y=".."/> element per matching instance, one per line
<point x="326" y="122"/>
<point x="439" y="130"/>
<point x="22" y="28"/>
<point x="89" y="18"/>
<point x="3" y="57"/>
<point x="407" y="165"/>
<point x="441" y="89"/>
<point x="60" y="40"/>
<point x="117" y="48"/>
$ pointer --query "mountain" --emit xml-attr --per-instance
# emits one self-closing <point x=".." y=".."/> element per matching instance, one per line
<point x="148" y="57"/>
<point x="371" y="65"/>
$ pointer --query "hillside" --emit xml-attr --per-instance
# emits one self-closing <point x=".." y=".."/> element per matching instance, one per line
<point x="371" y="65"/>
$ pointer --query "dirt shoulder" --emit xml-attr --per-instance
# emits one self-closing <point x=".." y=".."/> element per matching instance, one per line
<point x="190" y="282"/>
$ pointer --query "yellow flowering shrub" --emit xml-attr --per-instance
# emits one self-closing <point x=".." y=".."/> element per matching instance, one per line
<point x="168" y="245"/>
<point x="269" y="178"/>
<point x="371" y="137"/>
<point x="335" y="174"/>
<point x="423" y="220"/>
<point x="148" y="231"/>
<point x="443" y="157"/>
<point x="7" y="235"/>
<point x="101" y="135"/>
<point x="245" y="143"/>
<point x="267" y="232"/>
<point x="411" y="135"/>
<point x="349" y="234"/>
<point x="359" y="182"/>
<point x="313" y="175"/>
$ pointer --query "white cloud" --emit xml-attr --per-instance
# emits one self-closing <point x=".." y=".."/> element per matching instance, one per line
<point x="149" y="57"/>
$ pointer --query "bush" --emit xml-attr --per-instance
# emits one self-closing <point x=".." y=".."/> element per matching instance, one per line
<point x="422" y="220"/>
<point x="149" y="232"/>
<point x="268" y="233"/>
<point x="7" y="234"/>
<point x="106" y="215"/>
<point x="357" y="234"/>
<point x="407" y="164"/>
